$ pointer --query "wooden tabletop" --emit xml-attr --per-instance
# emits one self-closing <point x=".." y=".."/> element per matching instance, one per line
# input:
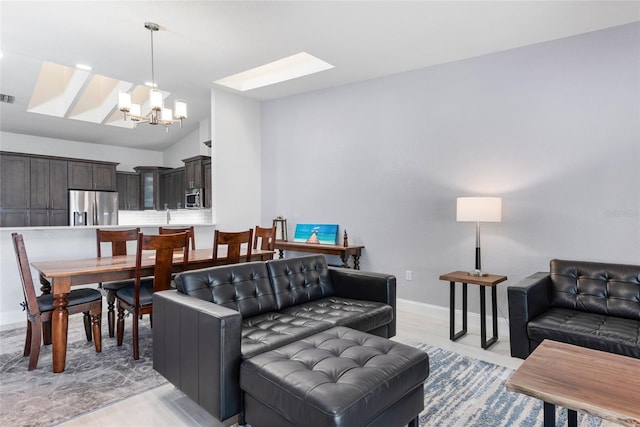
<point x="603" y="384"/>
<point x="317" y="248"/>
<point x="465" y="277"/>
<point x="199" y="258"/>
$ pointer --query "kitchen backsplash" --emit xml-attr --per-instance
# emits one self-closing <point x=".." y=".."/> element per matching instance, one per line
<point x="171" y="216"/>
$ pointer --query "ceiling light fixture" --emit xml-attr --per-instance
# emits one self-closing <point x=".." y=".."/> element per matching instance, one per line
<point x="159" y="115"/>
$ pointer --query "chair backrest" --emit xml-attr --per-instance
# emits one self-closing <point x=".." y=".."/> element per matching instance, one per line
<point x="117" y="238"/>
<point x="26" y="278"/>
<point x="190" y="230"/>
<point x="233" y="241"/>
<point x="267" y="238"/>
<point x="166" y="246"/>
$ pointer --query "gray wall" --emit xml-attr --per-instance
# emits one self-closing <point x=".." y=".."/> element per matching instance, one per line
<point x="553" y="128"/>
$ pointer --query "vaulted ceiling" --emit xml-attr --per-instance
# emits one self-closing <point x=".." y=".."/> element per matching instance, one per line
<point x="200" y="42"/>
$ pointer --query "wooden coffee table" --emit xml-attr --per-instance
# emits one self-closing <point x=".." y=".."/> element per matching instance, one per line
<point x="603" y="384"/>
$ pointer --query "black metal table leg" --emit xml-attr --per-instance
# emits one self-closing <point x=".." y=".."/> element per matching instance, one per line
<point x="281" y="253"/>
<point x="483" y="318"/>
<point x="572" y="418"/>
<point x="453" y="335"/>
<point x="549" y="414"/>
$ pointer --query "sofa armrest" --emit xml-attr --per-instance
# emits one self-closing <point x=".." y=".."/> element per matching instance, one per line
<point x="196" y="346"/>
<point x="367" y="286"/>
<point x="527" y="299"/>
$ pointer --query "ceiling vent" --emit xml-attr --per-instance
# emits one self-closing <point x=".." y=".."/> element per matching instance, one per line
<point x="9" y="99"/>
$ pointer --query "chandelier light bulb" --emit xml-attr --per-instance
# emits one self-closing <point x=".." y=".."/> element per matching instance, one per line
<point x="124" y="101"/>
<point x="180" y="108"/>
<point x="155" y="99"/>
<point x="135" y="112"/>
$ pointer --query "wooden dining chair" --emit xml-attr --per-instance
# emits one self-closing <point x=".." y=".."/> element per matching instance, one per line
<point x="190" y="230"/>
<point x="267" y="238"/>
<point x="40" y="308"/>
<point x="137" y="299"/>
<point x="118" y="240"/>
<point x="233" y="241"/>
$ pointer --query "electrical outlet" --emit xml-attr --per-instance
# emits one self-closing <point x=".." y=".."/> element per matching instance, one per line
<point x="408" y="274"/>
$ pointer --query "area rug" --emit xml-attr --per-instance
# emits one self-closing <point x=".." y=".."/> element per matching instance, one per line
<point x="90" y="380"/>
<point x="462" y="391"/>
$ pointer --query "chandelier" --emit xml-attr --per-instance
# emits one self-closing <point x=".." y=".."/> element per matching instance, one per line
<point x="159" y="115"/>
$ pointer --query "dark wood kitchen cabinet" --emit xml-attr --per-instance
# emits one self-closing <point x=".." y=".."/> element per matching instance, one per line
<point x="49" y="192"/>
<point x="34" y="188"/>
<point x="206" y="170"/>
<point x="149" y="186"/>
<point x="194" y="172"/>
<point x="92" y="176"/>
<point x="128" y="184"/>
<point x="172" y="185"/>
<point x="15" y="185"/>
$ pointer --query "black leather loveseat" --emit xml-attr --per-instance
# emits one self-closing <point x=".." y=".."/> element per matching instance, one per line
<point x="594" y="305"/>
<point x="258" y="307"/>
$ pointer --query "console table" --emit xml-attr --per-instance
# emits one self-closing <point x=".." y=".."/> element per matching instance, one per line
<point x="344" y="252"/>
<point x="490" y="280"/>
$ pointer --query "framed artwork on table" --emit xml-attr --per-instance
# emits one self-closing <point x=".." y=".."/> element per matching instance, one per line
<point x="322" y="234"/>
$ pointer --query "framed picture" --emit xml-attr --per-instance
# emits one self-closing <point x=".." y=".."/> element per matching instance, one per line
<point x="322" y="234"/>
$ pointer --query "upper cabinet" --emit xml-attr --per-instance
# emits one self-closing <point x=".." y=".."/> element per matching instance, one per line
<point x="34" y="189"/>
<point x="92" y="176"/>
<point x="198" y="175"/>
<point x="150" y="186"/>
<point x="206" y="170"/>
<point x="194" y="172"/>
<point x="48" y="192"/>
<point x="128" y="184"/>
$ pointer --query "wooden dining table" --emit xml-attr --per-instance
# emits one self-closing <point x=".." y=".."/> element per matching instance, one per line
<point x="57" y="277"/>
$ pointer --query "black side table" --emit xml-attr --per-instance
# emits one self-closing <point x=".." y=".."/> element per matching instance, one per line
<point x="490" y="280"/>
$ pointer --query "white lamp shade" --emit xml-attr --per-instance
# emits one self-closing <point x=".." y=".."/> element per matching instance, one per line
<point x="124" y="101"/>
<point x="155" y="99"/>
<point x="180" y="108"/>
<point x="166" y="114"/>
<point x="479" y="209"/>
<point x="135" y="110"/>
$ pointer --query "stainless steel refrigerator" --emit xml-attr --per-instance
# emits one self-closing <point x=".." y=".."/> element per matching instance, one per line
<point x="93" y="208"/>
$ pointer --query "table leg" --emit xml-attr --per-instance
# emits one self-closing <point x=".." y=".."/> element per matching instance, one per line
<point x="356" y="262"/>
<point x="572" y="418"/>
<point x="483" y="318"/>
<point x="345" y="260"/>
<point x="281" y="253"/>
<point x="453" y="335"/>
<point x="59" y="326"/>
<point x="549" y="414"/>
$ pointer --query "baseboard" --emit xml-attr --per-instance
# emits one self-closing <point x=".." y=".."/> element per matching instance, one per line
<point x="442" y="313"/>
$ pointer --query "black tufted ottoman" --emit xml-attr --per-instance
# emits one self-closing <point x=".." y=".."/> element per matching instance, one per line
<point x="339" y="377"/>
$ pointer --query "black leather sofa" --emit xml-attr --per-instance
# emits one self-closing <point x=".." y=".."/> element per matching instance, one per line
<point x="589" y="304"/>
<point x="258" y="307"/>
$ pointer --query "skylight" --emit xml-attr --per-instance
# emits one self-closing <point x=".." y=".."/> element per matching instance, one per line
<point x="292" y="67"/>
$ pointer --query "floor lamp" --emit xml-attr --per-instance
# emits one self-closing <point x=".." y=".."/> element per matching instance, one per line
<point x="478" y="209"/>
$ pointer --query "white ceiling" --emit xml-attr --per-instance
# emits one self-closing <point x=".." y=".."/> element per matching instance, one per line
<point x="202" y="41"/>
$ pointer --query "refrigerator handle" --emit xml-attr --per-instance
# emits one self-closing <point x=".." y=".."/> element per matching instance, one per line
<point x="95" y="212"/>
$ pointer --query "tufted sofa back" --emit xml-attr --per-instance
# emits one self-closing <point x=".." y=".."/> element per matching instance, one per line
<point x="300" y="280"/>
<point x="242" y="287"/>
<point x="610" y="289"/>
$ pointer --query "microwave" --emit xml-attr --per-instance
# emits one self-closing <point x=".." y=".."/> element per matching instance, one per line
<point x="194" y="198"/>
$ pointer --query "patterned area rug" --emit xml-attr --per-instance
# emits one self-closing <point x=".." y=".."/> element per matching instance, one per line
<point x="462" y="391"/>
<point x="90" y="380"/>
